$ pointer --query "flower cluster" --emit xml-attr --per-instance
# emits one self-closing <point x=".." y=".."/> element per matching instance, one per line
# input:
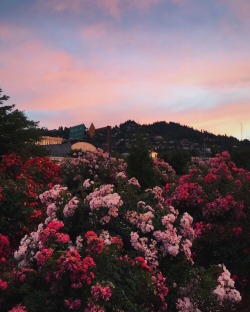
<point x="4" y="246"/>
<point x="142" y="221"/>
<point x="165" y="172"/>
<point x="28" y="247"/>
<point x="52" y="232"/>
<point x="18" y="308"/>
<point x="57" y="194"/>
<point x="147" y="247"/>
<point x="70" y="207"/>
<point x="104" y="201"/>
<point x="101" y="292"/>
<point x="73" y="304"/>
<point x="96" y="166"/>
<point x="225" y="289"/>
<point x="43" y="256"/>
<point x="162" y="290"/>
<point x="186" y="305"/>
<point x="77" y="268"/>
<point x="95" y="244"/>
<point x="3" y="285"/>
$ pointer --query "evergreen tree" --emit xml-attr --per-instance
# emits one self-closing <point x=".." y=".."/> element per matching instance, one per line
<point x="178" y="159"/>
<point x="17" y="133"/>
<point x="140" y="164"/>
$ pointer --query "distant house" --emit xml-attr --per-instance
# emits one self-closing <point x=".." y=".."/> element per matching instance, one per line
<point x="56" y="146"/>
<point x="48" y="140"/>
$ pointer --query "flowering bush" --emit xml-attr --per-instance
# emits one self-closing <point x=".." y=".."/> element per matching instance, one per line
<point x="104" y="244"/>
<point x="97" y="167"/>
<point x="217" y="194"/>
<point x="20" y="185"/>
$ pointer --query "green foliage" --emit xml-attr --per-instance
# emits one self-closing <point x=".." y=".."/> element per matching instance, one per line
<point x="241" y="156"/>
<point x="178" y="159"/>
<point x="17" y="133"/>
<point x="140" y="164"/>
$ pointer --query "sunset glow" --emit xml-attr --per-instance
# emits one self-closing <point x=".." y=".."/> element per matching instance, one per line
<point x="66" y="62"/>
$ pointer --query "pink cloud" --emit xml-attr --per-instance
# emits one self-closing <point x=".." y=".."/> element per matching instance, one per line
<point x="124" y="77"/>
<point x="218" y="73"/>
<point x="47" y="79"/>
<point x="240" y="8"/>
<point x="178" y="64"/>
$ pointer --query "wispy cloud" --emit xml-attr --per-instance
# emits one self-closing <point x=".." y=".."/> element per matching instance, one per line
<point x="108" y="61"/>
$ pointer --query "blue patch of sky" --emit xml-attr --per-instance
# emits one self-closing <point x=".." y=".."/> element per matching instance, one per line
<point x="14" y="8"/>
<point x="200" y="25"/>
<point x="18" y="13"/>
<point x="43" y="116"/>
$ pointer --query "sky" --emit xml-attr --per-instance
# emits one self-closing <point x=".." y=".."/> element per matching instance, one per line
<point x="68" y="62"/>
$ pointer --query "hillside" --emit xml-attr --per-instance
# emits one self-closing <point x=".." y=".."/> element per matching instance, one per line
<point x="164" y="137"/>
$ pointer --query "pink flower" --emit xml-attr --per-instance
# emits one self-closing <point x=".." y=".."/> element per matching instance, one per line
<point x="161" y="289"/>
<point x="77" y="268"/>
<point x="104" y="202"/>
<point x="237" y="231"/>
<point x="225" y="289"/>
<point x="51" y="230"/>
<point x="4" y="245"/>
<point x="87" y="183"/>
<point x="92" y="307"/>
<point x="186" y="245"/>
<point x="99" y="291"/>
<point x="3" y="284"/>
<point x="18" y="308"/>
<point x="43" y="256"/>
<point x="143" y="263"/>
<point x="70" y="207"/>
<point x="73" y="305"/>
<point x="62" y="238"/>
<point x="55" y="225"/>
<point x="238" y="184"/>
<point x="118" y="241"/>
<point x="225" y="155"/>
<point x="95" y="243"/>
<point x="210" y="178"/>
<point x="134" y="181"/>
<point x="121" y="175"/>
<point x="185" y="305"/>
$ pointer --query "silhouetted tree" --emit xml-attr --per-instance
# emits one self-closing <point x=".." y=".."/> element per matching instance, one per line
<point x="241" y="157"/>
<point x="140" y="164"/>
<point x="178" y="159"/>
<point x="60" y="132"/>
<point x="17" y="133"/>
